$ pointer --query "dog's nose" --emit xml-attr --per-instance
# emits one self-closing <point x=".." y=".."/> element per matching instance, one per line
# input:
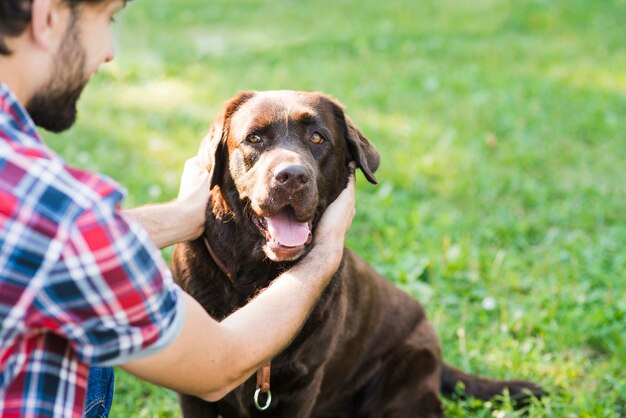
<point x="291" y="177"/>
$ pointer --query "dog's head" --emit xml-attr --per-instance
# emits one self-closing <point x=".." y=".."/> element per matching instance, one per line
<point x="280" y="158"/>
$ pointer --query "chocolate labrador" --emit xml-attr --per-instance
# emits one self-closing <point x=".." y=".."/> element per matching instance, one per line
<point x="277" y="159"/>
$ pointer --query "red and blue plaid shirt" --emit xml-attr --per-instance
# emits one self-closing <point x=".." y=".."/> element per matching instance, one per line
<point x="80" y="284"/>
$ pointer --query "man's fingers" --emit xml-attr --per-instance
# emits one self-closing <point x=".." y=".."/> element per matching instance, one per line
<point x="194" y="178"/>
<point x="337" y="218"/>
<point x="194" y="165"/>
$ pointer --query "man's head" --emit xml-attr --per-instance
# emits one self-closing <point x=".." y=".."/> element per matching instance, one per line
<point x="68" y="39"/>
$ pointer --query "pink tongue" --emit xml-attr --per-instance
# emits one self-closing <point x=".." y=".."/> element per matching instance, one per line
<point x="286" y="230"/>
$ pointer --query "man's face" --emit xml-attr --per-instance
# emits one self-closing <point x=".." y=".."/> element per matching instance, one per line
<point x="54" y="107"/>
<point x="85" y="46"/>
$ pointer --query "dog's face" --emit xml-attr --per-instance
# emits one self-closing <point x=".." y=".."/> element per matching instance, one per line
<point x="280" y="158"/>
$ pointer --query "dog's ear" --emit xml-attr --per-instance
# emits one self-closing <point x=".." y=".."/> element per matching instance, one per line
<point x="362" y="151"/>
<point x="213" y="151"/>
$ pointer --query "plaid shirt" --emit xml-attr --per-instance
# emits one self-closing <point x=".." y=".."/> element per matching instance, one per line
<point x="80" y="285"/>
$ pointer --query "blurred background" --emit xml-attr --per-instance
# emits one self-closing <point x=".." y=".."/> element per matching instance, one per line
<point x="502" y="130"/>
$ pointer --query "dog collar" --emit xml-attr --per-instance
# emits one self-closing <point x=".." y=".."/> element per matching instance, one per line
<point x="263" y="386"/>
<point x="218" y="262"/>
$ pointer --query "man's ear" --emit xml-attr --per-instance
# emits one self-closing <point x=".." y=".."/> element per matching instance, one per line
<point x="362" y="151"/>
<point x="213" y="150"/>
<point x="49" y="22"/>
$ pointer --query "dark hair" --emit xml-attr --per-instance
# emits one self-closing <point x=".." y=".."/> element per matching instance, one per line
<point x="15" y="16"/>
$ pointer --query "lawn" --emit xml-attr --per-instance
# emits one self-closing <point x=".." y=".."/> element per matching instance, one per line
<point x="502" y="129"/>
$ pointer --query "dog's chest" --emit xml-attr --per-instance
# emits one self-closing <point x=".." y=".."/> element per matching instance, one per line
<point x="297" y="373"/>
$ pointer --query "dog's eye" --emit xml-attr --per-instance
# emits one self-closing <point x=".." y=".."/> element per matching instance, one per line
<point x="253" y="138"/>
<point x="316" y="138"/>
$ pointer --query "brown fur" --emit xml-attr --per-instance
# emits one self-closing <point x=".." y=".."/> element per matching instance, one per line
<point x="367" y="349"/>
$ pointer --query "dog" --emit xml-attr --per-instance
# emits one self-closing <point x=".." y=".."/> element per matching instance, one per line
<point x="277" y="159"/>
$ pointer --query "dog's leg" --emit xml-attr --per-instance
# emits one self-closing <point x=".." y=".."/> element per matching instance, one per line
<point x="193" y="407"/>
<point x="407" y="385"/>
<point x="400" y="392"/>
<point x="299" y="402"/>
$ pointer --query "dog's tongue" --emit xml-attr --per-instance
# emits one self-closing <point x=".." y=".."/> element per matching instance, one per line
<point x="286" y="230"/>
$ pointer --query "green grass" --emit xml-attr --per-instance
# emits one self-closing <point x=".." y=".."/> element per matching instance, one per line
<point x="502" y="130"/>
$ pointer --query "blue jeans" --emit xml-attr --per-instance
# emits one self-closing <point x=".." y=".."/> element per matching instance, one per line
<point x="99" y="392"/>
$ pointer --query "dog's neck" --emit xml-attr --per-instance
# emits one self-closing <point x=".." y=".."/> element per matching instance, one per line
<point x="218" y="262"/>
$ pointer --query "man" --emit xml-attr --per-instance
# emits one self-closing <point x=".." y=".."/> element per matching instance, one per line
<point x="82" y="283"/>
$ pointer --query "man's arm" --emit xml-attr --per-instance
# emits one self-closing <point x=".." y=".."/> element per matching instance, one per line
<point x="209" y="359"/>
<point x="183" y="218"/>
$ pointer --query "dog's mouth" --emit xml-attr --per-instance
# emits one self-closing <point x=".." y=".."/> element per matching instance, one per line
<point x="285" y="236"/>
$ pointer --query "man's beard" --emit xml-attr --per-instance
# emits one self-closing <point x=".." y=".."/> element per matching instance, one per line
<point x="54" y="107"/>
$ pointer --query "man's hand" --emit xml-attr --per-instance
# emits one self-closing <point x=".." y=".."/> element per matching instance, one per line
<point x="338" y="216"/>
<point x="183" y="218"/>
<point x="333" y="227"/>
<point x="193" y="194"/>
<point x="194" y="184"/>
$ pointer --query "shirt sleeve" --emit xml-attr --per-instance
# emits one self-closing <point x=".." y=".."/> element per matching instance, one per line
<point x="111" y="294"/>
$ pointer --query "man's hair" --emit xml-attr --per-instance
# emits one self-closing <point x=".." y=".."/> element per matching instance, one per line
<point x="15" y="16"/>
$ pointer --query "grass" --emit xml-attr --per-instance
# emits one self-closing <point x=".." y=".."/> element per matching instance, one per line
<point x="502" y="196"/>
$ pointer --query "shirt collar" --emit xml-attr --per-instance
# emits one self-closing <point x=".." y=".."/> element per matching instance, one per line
<point x="18" y="116"/>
